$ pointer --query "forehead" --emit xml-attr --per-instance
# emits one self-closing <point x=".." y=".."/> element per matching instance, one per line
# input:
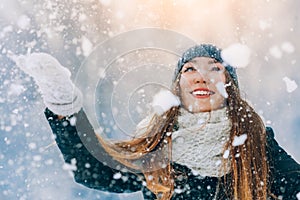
<point x="203" y="60"/>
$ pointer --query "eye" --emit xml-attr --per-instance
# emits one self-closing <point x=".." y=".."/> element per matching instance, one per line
<point x="215" y="68"/>
<point x="189" y="68"/>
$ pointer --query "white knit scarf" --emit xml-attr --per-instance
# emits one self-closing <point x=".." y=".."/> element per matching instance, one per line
<point x="199" y="141"/>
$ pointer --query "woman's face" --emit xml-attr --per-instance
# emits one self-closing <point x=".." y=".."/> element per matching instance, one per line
<point x="201" y="85"/>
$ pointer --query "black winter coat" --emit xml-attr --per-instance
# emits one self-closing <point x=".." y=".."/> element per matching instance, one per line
<point x="285" y="172"/>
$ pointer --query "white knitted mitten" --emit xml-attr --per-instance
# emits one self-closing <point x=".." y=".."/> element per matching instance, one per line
<point x="59" y="93"/>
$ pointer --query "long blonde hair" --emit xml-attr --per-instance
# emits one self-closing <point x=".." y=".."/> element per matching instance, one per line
<point x="248" y="161"/>
<point x="249" y="168"/>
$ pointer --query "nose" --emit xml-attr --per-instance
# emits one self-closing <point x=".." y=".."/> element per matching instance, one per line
<point x="199" y="77"/>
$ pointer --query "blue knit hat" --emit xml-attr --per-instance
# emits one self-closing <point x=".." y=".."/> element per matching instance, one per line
<point x="204" y="50"/>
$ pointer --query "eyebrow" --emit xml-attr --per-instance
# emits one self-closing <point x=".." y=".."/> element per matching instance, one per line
<point x="209" y="62"/>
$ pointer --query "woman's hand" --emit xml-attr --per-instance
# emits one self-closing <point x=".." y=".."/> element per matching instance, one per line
<point x="58" y="91"/>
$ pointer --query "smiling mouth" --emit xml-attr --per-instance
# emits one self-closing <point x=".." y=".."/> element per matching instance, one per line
<point x="202" y="93"/>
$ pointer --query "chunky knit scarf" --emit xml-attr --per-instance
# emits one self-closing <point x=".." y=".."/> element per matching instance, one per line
<point x="199" y="141"/>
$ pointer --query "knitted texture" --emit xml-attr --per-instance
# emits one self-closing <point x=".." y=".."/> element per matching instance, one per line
<point x="59" y="93"/>
<point x="199" y="141"/>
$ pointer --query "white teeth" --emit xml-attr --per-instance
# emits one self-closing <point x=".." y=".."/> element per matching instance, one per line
<point x="201" y="92"/>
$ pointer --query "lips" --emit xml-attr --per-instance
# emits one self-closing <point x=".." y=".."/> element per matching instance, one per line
<point x="202" y="93"/>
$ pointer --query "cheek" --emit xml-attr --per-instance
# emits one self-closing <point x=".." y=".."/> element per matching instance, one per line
<point x="182" y="92"/>
<point x="220" y="78"/>
<point x="223" y="78"/>
<point x="182" y="84"/>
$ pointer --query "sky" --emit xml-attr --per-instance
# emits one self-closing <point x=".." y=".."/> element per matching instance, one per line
<point x="31" y="166"/>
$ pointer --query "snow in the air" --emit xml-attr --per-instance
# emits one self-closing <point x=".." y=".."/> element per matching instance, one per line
<point x="6" y="30"/>
<point x="265" y="24"/>
<point x="163" y="101"/>
<point x="236" y="55"/>
<point x="70" y="166"/>
<point x="288" y="47"/>
<point x="73" y="121"/>
<point x="298" y="195"/>
<point x="226" y="154"/>
<point x="291" y="85"/>
<point x="239" y="140"/>
<point x="32" y="145"/>
<point x="117" y="175"/>
<point x="31" y="164"/>
<point x="86" y="46"/>
<point x="24" y="22"/>
<point x="276" y="52"/>
<point x="15" y="89"/>
<point x="221" y="88"/>
<point x="178" y="191"/>
<point x="105" y="2"/>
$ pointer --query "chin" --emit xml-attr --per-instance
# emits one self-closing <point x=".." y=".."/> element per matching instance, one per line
<point x="202" y="110"/>
<point x="205" y="109"/>
<point x="198" y="110"/>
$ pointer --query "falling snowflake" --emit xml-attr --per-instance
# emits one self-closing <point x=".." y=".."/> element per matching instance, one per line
<point x="287" y="47"/>
<point x="236" y="55"/>
<point x="117" y="175"/>
<point x="298" y="195"/>
<point x="291" y="85"/>
<point x="239" y="140"/>
<point x="163" y="101"/>
<point x="275" y="52"/>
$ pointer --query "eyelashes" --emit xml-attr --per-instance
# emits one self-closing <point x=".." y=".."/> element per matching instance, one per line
<point x="209" y="68"/>
<point x="189" y="69"/>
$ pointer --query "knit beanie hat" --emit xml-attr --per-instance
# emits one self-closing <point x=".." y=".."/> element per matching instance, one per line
<point x="204" y="50"/>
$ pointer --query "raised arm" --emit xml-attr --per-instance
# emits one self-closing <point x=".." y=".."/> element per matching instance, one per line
<point x="90" y="171"/>
<point x="64" y="102"/>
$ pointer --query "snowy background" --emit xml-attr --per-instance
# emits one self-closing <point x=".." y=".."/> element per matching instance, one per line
<point x="31" y="166"/>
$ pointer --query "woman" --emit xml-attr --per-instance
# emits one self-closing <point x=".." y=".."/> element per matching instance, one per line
<point x="211" y="146"/>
